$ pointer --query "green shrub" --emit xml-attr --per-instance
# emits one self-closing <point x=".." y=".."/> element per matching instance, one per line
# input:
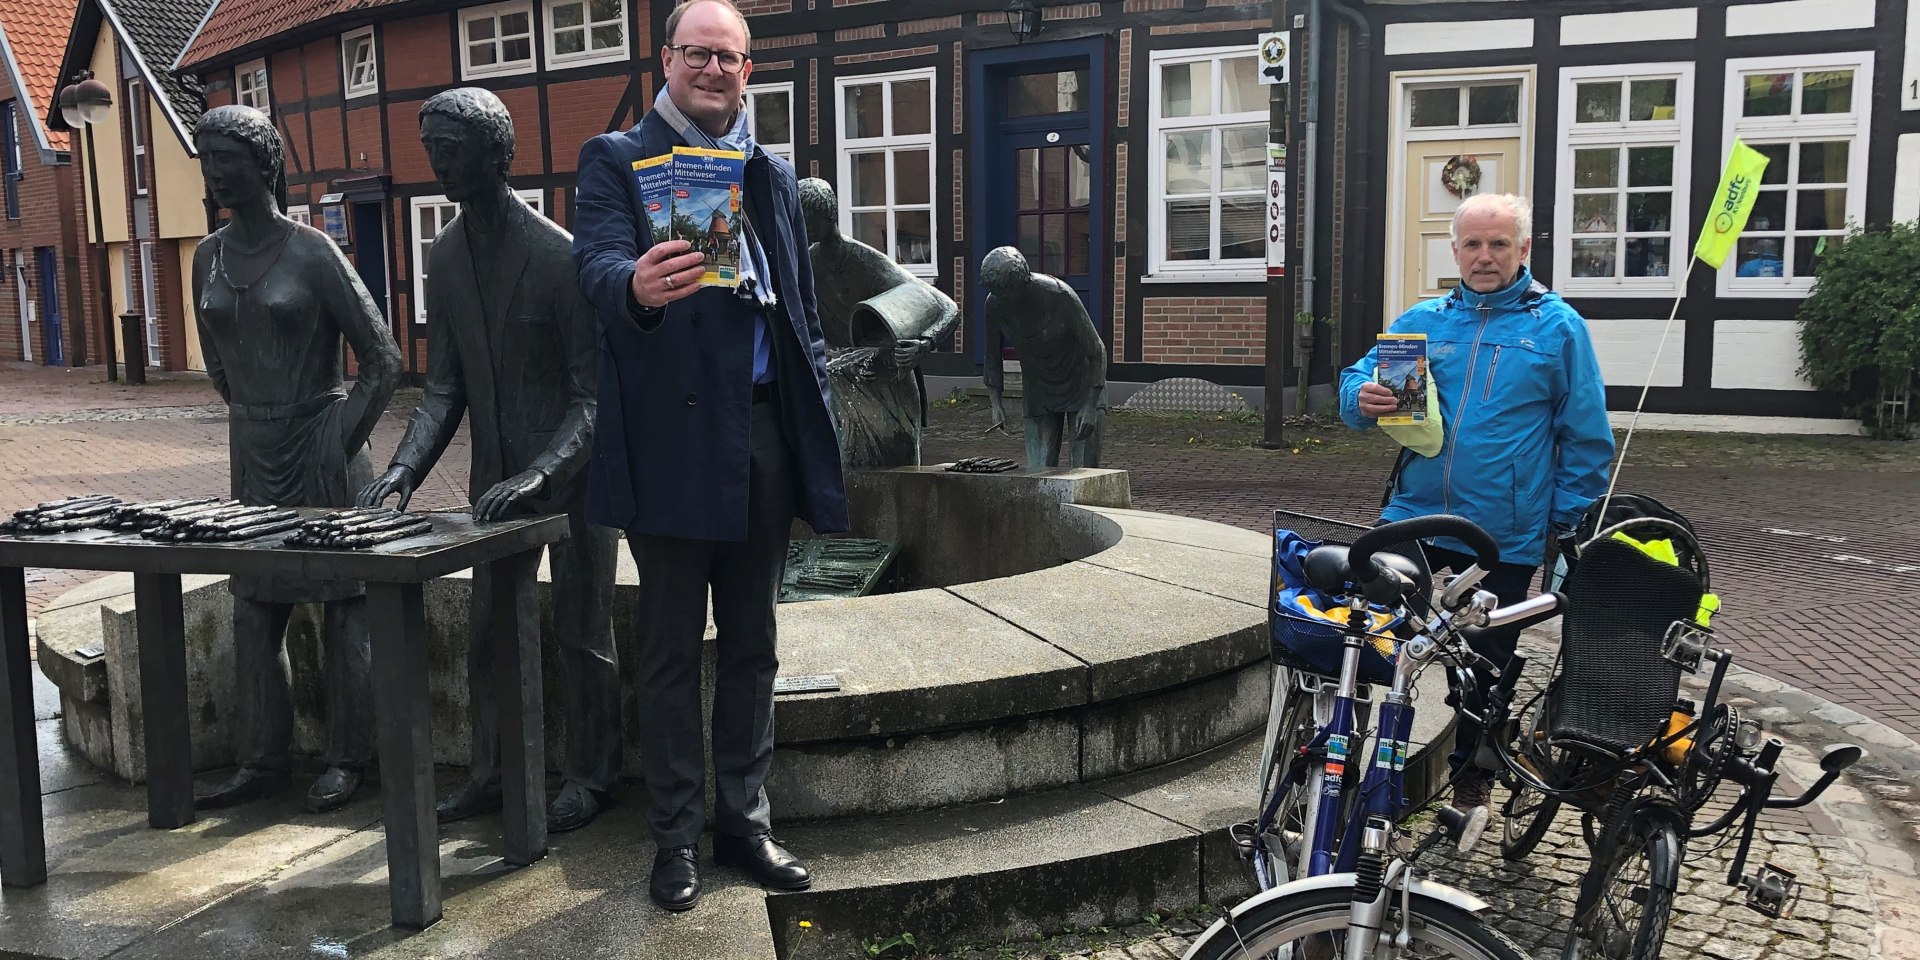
<point x="1860" y="335"/>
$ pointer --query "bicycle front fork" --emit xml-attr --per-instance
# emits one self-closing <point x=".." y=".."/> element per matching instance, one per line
<point x="1366" y="921"/>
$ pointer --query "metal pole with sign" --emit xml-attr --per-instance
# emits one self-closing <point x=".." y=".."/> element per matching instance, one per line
<point x="1276" y="55"/>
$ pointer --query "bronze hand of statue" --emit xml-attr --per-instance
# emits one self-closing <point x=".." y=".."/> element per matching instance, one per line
<point x="508" y="494"/>
<point x="999" y="415"/>
<point x="906" y="353"/>
<point x="397" y="479"/>
<point x="1083" y="428"/>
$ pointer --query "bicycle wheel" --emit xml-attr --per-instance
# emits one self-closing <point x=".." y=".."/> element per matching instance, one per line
<point x="1284" y="841"/>
<point x="1627" y="895"/>
<point x="1270" y="929"/>
<point x="1528" y="813"/>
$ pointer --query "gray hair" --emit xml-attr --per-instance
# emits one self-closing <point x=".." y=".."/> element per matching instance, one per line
<point x="481" y="110"/>
<point x="1512" y="205"/>
<point x="673" y="19"/>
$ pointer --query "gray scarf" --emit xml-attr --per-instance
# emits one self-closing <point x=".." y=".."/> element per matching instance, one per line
<point x="755" y="277"/>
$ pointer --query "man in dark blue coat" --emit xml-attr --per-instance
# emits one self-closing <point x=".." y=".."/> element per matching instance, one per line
<point x="713" y="433"/>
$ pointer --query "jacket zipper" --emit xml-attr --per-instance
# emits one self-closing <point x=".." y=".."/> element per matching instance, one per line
<point x="1460" y="411"/>
<point x="1486" y="392"/>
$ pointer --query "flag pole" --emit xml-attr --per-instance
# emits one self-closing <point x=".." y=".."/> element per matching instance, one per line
<point x="1658" y="348"/>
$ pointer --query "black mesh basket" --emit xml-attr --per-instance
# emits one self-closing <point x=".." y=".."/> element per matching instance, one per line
<point x="1327" y="531"/>
<point x="1616" y="691"/>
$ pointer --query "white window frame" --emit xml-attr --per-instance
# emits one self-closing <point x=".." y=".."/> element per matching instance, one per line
<point x="1159" y="268"/>
<point x="137" y="111"/>
<point x="782" y="149"/>
<point x="150" y="310"/>
<point x="587" y="54"/>
<point x="1624" y="134"/>
<point x="499" y="68"/>
<point x="1853" y="127"/>
<point x="419" y="246"/>
<point x="250" y="88"/>
<point x="300" y="213"/>
<point x="349" y="44"/>
<point x="890" y="145"/>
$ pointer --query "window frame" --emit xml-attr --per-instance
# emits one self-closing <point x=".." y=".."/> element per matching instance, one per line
<point x="846" y="147"/>
<point x="587" y="56"/>
<point x="348" y="44"/>
<point x="494" y="11"/>
<point x="1160" y="269"/>
<point x="755" y="90"/>
<point x="417" y="256"/>
<point x="1855" y="127"/>
<point x="12" y="170"/>
<point x="149" y="292"/>
<point x="260" y="95"/>
<point x="1625" y="134"/>
<point x="300" y="213"/>
<point x="137" y="112"/>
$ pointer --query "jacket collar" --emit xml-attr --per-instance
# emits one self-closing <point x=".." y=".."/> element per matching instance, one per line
<point x="1520" y="293"/>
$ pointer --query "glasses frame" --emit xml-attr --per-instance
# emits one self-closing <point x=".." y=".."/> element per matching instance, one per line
<point x="708" y="55"/>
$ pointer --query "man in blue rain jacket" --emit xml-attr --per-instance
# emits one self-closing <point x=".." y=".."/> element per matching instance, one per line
<point x="1527" y="442"/>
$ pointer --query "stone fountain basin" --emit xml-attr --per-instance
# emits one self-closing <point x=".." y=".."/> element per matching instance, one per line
<point x="1054" y="636"/>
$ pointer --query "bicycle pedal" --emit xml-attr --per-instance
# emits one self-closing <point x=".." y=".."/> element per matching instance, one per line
<point x="1770" y="889"/>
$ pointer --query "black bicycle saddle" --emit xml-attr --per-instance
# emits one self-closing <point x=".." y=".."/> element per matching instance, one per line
<point x="1327" y="569"/>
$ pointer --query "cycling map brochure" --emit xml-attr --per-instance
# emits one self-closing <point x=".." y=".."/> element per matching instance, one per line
<point x="693" y="194"/>
<point x="655" y="175"/>
<point x="1402" y="368"/>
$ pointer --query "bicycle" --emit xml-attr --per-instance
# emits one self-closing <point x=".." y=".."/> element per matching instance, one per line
<point x="1358" y="890"/>
<point x="1601" y="738"/>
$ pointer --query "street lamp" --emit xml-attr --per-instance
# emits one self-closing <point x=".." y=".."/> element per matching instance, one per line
<point x="83" y="103"/>
<point x="1023" y="18"/>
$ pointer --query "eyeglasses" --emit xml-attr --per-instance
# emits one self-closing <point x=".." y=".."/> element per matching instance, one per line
<point x="698" y="57"/>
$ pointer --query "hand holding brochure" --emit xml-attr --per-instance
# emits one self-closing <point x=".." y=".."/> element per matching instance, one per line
<point x="1402" y="369"/>
<point x="694" y="194"/>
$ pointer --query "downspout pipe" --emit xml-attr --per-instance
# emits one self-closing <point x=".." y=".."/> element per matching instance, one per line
<point x="1310" y="171"/>
<point x="1360" y="291"/>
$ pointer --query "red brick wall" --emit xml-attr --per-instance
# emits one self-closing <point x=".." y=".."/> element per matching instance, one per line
<point x="365" y="148"/>
<point x="417" y="53"/>
<point x="293" y="127"/>
<point x="329" y="141"/>
<point x="578" y="112"/>
<point x="46" y="220"/>
<point x="323" y="67"/>
<point x="524" y="104"/>
<point x="409" y="159"/>
<point x="1204" y="330"/>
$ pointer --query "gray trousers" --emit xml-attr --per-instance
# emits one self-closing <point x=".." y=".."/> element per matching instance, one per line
<point x="582" y="571"/>
<point x="675" y="576"/>
<point x="263" y="714"/>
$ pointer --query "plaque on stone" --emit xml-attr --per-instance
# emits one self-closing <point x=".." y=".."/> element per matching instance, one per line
<point x="836" y="568"/>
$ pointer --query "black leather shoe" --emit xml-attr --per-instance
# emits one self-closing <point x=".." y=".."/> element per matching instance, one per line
<point x="333" y="789"/>
<point x="575" y="807"/>
<point x="246" y="784"/>
<point x="763" y="856"/>
<point x="675" y="884"/>
<point x="471" y="800"/>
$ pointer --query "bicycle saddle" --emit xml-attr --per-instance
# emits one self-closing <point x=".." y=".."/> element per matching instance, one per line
<point x="1327" y="569"/>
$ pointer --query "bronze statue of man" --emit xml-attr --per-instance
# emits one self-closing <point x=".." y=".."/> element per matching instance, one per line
<point x="273" y="300"/>
<point x="879" y="320"/>
<point x="513" y="348"/>
<point x="1063" y="361"/>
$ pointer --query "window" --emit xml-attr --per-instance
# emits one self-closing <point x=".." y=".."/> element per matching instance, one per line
<point x="363" y="74"/>
<point x="1623" y="179"/>
<point x="497" y="40"/>
<point x="250" y="86"/>
<point x="10" y="169"/>
<point x="886" y="165"/>
<point x="430" y="215"/>
<point x="137" y="127"/>
<point x="1809" y="116"/>
<point x="1208" y="175"/>
<point x="148" y="307"/>
<point x="300" y="214"/>
<point x="770" y="118"/>
<point x="586" y="31"/>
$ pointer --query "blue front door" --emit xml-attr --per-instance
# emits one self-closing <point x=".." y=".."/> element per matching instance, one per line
<point x="50" y="305"/>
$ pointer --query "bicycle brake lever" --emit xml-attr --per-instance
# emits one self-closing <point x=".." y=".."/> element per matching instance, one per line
<point x="1459" y="589"/>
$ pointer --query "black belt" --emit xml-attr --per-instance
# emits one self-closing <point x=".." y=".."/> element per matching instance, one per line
<point x="763" y="392"/>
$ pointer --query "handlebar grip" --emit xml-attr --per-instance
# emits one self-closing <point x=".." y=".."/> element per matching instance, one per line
<point x="1486" y="553"/>
<point x="1509" y="677"/>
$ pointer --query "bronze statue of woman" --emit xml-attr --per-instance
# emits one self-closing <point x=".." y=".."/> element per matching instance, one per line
<point x="273" y="299"/>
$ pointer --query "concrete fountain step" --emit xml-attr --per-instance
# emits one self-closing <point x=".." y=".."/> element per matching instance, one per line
<point x="271" y="880"/>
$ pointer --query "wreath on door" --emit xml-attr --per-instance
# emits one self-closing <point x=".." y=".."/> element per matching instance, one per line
<point x="1461" y="175"/>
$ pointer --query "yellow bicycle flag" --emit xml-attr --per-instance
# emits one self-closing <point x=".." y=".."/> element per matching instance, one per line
<point x="1739" y="187"/>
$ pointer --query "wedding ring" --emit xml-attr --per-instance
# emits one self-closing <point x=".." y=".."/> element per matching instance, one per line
<point x="669" y="281"/>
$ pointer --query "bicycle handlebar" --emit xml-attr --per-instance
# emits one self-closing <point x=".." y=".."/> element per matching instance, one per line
<point x="1360" y="556"/>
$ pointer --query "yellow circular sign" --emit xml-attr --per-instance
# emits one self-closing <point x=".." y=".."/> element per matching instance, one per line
<point x="1274" y="51"/>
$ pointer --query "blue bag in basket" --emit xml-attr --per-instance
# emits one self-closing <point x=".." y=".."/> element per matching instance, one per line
<point x="1308" y="624"/>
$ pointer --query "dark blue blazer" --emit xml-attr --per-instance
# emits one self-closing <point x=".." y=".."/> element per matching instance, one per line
<point x="675" y="395"/>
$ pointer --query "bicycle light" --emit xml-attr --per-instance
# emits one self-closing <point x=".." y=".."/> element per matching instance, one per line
<point x="1746" y="735"/>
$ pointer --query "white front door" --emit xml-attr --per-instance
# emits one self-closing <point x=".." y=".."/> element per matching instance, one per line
<point x="1456" y="135"/>
<point x="26" y="304"/>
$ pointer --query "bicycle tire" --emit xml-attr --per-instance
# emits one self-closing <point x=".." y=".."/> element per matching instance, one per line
<point x="1528" y="813"/>
<point x="1267" y="929"/>
<point x="1653" y="835"/>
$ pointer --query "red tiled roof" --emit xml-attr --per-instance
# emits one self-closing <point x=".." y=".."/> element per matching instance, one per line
<point x="36" y="33"/>
<point x="237" y="23"/>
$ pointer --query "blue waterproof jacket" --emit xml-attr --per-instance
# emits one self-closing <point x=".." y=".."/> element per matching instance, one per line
<point x="1517" y="376"/>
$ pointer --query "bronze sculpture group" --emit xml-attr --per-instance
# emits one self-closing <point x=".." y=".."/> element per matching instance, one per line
<point x="515" y="352"/>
